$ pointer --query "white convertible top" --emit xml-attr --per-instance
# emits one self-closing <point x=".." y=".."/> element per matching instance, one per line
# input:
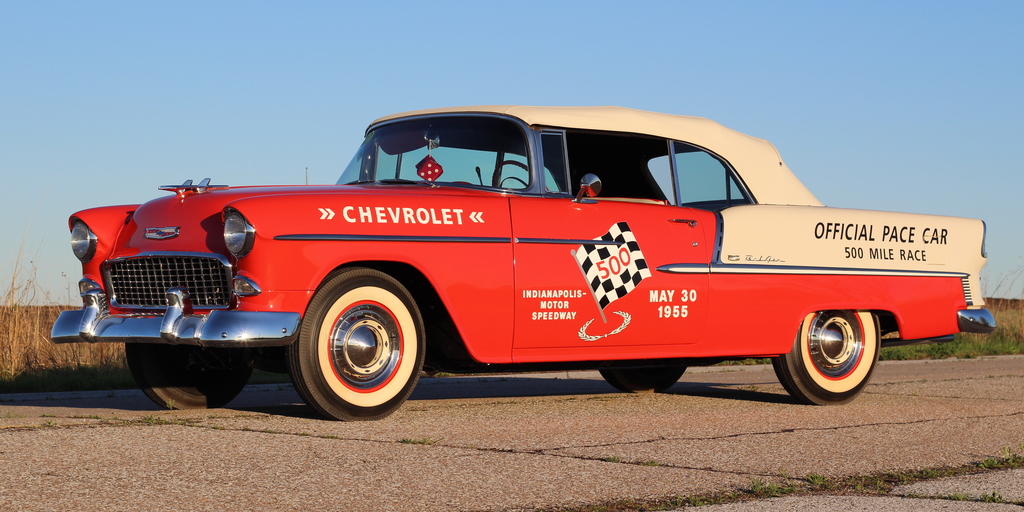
<point x="756" y="160"/>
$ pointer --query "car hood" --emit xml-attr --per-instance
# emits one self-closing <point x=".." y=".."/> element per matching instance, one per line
<point x="193" y="222"/>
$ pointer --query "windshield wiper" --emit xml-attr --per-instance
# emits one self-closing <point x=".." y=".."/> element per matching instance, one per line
<point x="389" y="181"/>
<point x="401" y="181"/>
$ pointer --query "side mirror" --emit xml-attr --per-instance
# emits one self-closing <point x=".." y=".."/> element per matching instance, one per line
<point x="590" y="186"/>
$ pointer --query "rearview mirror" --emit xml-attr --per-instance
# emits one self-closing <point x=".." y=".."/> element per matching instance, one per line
<point x="590" y="186"/>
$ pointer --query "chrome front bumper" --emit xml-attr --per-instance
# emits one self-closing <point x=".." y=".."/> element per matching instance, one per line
<point x="177" y="326"/>
<point x="975" y="320"/>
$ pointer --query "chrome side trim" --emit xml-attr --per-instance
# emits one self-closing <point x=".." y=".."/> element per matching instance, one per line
<point x="975" y="320"/>
<point x="327" y="237"/>
<point x="178" y="326"/>
<point x="718" y="268"/>
<point x="685" y="268"/>
<point x="567" y="241"/>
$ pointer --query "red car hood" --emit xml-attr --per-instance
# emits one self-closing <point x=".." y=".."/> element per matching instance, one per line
<point x="197" y="218"/>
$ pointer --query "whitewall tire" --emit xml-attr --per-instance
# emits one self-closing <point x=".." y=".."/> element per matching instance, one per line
<point x="361" y="346"/>
<point x="832" y="358"/>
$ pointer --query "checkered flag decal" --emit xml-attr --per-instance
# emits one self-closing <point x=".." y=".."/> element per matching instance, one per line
<point x="621" y="276"/>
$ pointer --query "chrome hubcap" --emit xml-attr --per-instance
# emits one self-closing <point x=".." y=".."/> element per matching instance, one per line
<point x="835" y="344"/>
<point x="365" y="346"/>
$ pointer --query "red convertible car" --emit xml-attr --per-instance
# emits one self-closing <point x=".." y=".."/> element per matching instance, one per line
<point x="510" y="238"/>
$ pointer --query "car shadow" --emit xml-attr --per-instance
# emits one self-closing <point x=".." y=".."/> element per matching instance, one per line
<point x="509" y="386"/>
<point x="282" y="399"/>
<point x="729" y="392"/>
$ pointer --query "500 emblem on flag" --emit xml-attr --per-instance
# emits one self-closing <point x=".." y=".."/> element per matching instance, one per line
<point x="612" y="271"/>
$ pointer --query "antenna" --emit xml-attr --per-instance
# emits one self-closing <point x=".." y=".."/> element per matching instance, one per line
<point x="307" y="175"/>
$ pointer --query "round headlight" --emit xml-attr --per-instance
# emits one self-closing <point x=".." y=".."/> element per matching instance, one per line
<point x="238" y="234"/>
<point x="83" y="241"/>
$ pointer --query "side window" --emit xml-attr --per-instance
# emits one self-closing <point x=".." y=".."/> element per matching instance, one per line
<point x="630" y="166"/>
<point x="661" y="170"/>
<point x="704" y="181"/>
<point x="553" y="149"/>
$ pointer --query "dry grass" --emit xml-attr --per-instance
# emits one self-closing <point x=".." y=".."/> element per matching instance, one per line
<point x="1009" y="315"/>
<point x="25" y="344"/>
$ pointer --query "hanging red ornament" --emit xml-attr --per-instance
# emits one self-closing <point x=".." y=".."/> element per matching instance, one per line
<point x="429" y="169"/>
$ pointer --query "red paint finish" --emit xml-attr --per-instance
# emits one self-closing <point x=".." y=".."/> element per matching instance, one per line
<point x="556" y="310"/>
<point x="107" y="223"/>
<point x="510" y="270"/>
<point x="762" y="313"/>
<point x="472" y="274"/>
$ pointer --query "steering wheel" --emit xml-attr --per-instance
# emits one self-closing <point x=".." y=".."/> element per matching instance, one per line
<point x="506" y="178"/>
<point x="498" y="181"/>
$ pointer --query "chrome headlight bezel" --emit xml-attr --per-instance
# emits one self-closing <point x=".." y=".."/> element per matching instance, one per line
<point x="239" y="235"/>
<point x="83" y="241"/>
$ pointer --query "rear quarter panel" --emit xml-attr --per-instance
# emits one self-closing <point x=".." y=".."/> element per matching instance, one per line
<point x="787" y="261"/>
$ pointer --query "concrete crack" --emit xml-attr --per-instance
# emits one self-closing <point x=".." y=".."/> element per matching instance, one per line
<point x="789" y="431"/>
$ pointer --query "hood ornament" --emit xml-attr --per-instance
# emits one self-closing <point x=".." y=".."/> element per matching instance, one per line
<point x="188" y="189"/>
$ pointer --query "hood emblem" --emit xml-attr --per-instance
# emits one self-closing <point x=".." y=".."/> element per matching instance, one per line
<point x="162" y="233"/>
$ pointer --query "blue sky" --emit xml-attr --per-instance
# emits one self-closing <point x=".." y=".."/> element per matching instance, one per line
<point x="903" y="106"/>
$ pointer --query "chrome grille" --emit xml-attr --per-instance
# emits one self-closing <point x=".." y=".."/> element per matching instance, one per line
<point x="144" y="281"/>
<point x="967" y="290"/>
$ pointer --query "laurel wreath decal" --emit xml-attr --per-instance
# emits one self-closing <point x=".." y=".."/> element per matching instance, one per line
<point x="586" y="337"/>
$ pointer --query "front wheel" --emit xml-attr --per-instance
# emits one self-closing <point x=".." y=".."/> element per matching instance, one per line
<point x="361" y="347"/>
<point x="642" y="380"/>
<point x="186" y="377"/>
<point x="832" y="357"/>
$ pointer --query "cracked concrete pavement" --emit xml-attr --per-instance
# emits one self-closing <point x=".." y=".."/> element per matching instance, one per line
<point x="506" y="442"/>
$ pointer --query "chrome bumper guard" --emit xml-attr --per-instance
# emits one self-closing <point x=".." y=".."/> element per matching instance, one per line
<point x="975" y="320"/>
<point x="178" y="325"/>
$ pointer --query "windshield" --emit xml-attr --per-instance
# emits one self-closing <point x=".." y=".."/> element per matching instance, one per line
<point x="476" y="150"/>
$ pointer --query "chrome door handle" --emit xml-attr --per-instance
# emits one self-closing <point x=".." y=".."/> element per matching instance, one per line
<point x="691" y="222"/>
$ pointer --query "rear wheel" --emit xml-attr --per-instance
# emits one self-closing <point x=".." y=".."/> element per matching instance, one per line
<point x="185" y="377"/>
<point x="643" y="380"/>
<point x="832" y="357"/>
<point x="361" y="347"/>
